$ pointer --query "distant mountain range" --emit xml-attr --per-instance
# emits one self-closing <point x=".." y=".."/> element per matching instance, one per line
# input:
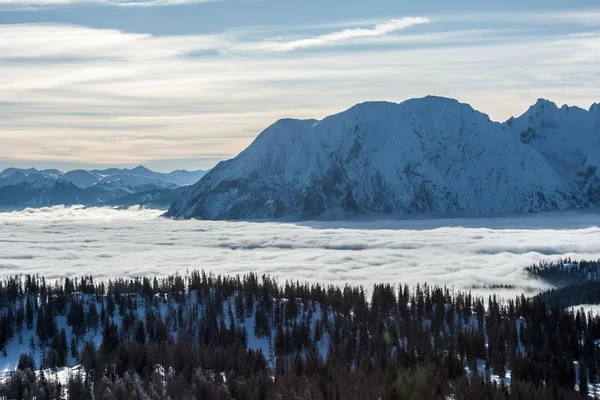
<point x="115" y="187"/>
<point x="431" y="155"/>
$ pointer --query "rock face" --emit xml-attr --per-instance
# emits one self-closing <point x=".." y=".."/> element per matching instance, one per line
<point x="431" y="155"/>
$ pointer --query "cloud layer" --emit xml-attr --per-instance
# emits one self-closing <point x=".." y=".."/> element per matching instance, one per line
<point x="462" y="253"/>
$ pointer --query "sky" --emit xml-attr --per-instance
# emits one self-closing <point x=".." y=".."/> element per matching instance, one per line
<point x="186" y="83"/>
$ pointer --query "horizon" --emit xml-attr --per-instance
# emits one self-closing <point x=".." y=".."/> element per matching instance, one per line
<point x="3" y="169"/>
<point x="177" y="84"/>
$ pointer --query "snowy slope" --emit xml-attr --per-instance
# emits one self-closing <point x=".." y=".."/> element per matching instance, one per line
<point x="36" y="179"/>
<point x="183" y="177"/>
<point x="569" y="140"/>
<point x="429" y="155"/>
<point x="13" y="179"/>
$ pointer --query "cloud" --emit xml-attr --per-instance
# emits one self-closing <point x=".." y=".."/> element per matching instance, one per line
<point x="33" y="4"/>
<point x="464" y="253"/>
<point x="79" y="94"/>
<point x="55" y="41"/>
<point x="338" y="37"/>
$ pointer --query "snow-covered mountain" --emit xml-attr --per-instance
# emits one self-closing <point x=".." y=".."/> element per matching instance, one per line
<point x="56" y="192"/>
<point x="82" y="178"/>
<point x="33" y="188"/>
<point x="13" y="179"/>
<point x="154" y="198"/>
<point x="50" y="173"/>
<point x="428" y="155"/>
<point x="183" y="177"/>
<point x="569" y="139"/>
<point x="138" y="176"/>
<point x="35" y="179"/>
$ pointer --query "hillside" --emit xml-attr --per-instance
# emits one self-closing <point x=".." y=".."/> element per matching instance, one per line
<point x="222" y="337"/>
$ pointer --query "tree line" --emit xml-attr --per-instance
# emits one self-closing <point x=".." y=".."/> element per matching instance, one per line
<point x="207" y="336"/>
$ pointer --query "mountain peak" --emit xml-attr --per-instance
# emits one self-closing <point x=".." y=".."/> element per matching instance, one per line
<point x="373" y="104"/>
<point x="436" y="101"/>
<point x="543" y="103"/>
<point x="78" y="171"/>
<point x="140" y="168"/>
<point x="12" y="170"/>
<point x="429" y="100"/>
<point x="443" y="99"/>
<point x="544" y="109"/>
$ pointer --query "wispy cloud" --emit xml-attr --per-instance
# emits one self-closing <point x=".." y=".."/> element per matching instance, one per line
<point x="73" y="41"/>
<point x="338" y="37"/>
<point x="33" y="4"/>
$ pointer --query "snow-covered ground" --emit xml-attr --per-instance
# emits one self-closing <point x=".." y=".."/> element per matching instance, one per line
<point x="60" y="374"/>
<point x="160" y="306"/>
<point x="20" y="344"/>
<point x="464" y="253"/>
<point x="594" y="308"/>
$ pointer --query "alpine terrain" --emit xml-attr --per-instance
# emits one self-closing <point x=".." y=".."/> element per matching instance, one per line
<point x="431" y="155"/>
<point x="30" y="187"/>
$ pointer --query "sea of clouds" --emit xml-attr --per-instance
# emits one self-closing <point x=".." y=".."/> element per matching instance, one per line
<point x="463" y="253"/>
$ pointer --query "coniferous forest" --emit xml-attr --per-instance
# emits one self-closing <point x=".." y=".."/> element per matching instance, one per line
<point x="204" y="336"/>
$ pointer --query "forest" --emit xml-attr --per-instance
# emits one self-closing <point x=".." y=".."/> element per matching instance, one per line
<point x="206" y="336"/>
<point x="566" y="272"/>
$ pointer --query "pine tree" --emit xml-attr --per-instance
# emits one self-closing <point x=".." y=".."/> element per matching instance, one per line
<point x="583" y="381"/>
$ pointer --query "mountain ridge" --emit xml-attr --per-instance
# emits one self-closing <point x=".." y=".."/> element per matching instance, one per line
<point x="29" y="187"/>
<point x="426" y="155"/>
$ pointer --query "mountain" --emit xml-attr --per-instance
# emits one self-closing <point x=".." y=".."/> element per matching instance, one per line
<point x="569" y="139"/>
<point x="30" y="195"/>
<point x="142" y="176"/>
<point x="137" y="176"/>
<point x="36" y="179"/>
<point x="82" y="178"/>
<point x="155" y="198"/>
<point x="184" y="178"/>
<point x="30" y="171"/>
<point x="36" y="188"/>
<point x="431" y="155"/>
<point x="13" y="179"/>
